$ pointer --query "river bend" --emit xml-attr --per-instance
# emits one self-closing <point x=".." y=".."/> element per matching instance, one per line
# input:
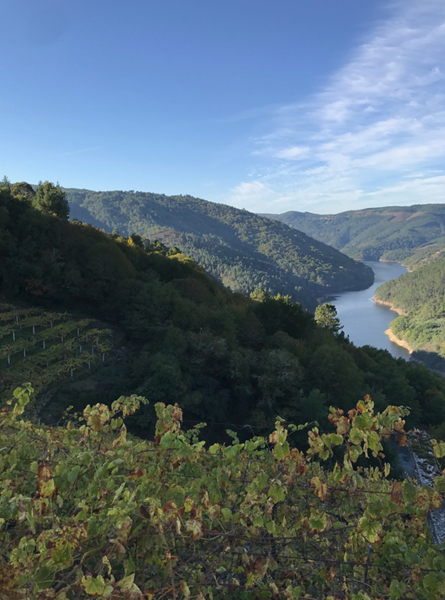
<point x="364" y="321"/>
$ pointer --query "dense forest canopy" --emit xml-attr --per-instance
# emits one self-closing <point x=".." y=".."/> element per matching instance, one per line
<point x="241" y="249"/>
<point x="409" y="234"/>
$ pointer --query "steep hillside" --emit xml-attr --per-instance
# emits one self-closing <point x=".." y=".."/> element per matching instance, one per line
<point x="420" y="297"/>
<point x="412" y="234"/>
<point x="241" y="249"/>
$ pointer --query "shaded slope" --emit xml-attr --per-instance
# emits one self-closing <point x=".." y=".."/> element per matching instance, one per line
<point x="243" y="250"/>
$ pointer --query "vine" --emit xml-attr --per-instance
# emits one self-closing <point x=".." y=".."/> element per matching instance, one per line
<point x="87" y="511"/>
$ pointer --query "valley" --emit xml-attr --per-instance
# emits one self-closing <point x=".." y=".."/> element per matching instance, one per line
<point x="240" y="249"/>
<point x="238" y="408"/>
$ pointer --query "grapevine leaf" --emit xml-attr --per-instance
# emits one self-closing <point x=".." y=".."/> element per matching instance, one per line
<point x="370" y="530"/>
<point x="94" y="586"/>
<point x="439" y="448"/>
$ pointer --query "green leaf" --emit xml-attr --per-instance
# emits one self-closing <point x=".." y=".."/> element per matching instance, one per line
<point x="127" y="582"/>
<point x="335" y="439"/>
<point x="318" y="522"/>
<point x="373" y="440"/>
<point x="355" y="452"/>
<point x="44" y="578"/>
<point x="72" y="475"/>
<point x="356" y="436"/>
<point x="409" y="492"/>
<point x="324" y="454"/>
<point x="439" y="482"/>
<point x="258" y="521"/>
<point x="371" y="530"/>
<point x="281" y="451"/>
<point x="276" y="493"/>
<point x="439" y="448"/>
<point x="397" y="589"/>
<point x="94" y="586"/>
<point x="226" y="513"/>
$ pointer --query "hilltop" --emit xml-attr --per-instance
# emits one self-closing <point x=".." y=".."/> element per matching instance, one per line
<point x="242" y="250"/>
<point x="409" y="234"/>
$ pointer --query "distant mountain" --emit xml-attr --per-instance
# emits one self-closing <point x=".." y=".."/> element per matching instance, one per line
<point x="412" y="234"/>
<point x="241" y="249"/>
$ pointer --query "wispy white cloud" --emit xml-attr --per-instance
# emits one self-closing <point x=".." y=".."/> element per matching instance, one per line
<point x="292" y="153"/>
<point x="249" y="194"/>
<point x="379" y="119"/>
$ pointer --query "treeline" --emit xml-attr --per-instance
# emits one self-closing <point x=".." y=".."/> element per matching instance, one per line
<point x="421" y="295"/>
<point x="242" y="250"/>
<point x="226" y="358"/>
<point x="409" y="234"/>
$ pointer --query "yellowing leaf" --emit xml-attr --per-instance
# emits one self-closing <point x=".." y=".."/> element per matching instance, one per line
<point x="370" y="530"/>
<point x="321" y="488"/>
<point x="195" y="527"/>
<point x="397" y="493"/>
<point x="423" y="500"/>
<point x="94" y="586"/>
<point x="436" y="500"/>
<point x="184" y="589"/>
<point x="46" y="488"/>
<point x="439" y="448"/>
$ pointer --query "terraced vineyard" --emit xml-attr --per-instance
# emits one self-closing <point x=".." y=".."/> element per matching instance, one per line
<point x="44" y="347"/>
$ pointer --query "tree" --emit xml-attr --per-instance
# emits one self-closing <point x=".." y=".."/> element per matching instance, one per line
<point x="136" y="240"/>
<point x="22" y="188"/>
<point x="155" y="246"/>
<point x="50" y="199"/>
<point x="326" y="317"/>
<point x="259" y="295"/>
<point x="5" y="182"/>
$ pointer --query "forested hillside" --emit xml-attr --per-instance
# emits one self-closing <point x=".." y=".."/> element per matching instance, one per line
<point x="241" y="249"/>
<point x="88" y="510"/>
<point x="421" y="296"/>
<point x="224" y="357"/>
<point x="409" y="234"/>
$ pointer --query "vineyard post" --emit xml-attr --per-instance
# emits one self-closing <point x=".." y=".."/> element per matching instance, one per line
<point x="365" y="579"/>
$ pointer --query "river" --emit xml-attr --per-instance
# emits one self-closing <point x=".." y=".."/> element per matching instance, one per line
<point x="364" y="321"/>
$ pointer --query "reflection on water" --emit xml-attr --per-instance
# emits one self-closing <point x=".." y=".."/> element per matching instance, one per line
<point x="364" y="321"/>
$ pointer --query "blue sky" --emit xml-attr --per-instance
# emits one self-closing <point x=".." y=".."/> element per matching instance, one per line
<point x="268" y="105"/>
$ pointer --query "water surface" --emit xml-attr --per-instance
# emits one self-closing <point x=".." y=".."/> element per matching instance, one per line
<point x="364" y="321"/>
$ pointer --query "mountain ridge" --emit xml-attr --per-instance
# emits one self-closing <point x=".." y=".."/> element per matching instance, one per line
<point x="243" y="250"/>
<point x="410" y="234"/>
